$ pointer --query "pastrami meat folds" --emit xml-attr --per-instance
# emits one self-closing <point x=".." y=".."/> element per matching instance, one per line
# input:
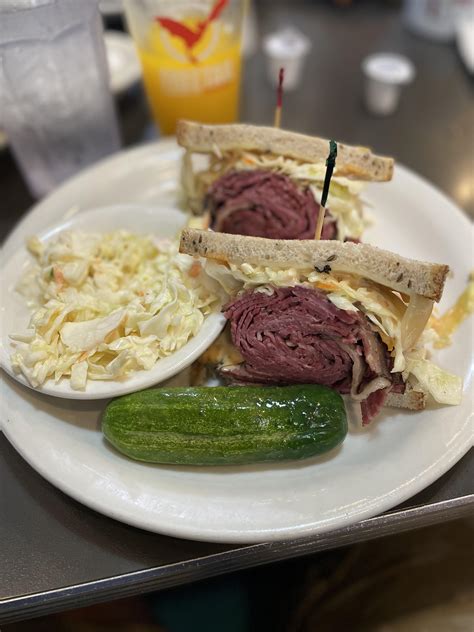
<point x="296" y="335"/>
<point x="265" y="204"/>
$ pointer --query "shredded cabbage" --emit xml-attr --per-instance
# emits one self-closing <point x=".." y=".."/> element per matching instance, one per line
<point x="444" y="387"/>
<point x="106" y="305"/>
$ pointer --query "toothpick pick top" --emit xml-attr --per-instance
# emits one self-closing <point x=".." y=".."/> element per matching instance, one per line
<point x="330" y="163"/>
<point x="277" y="119"/>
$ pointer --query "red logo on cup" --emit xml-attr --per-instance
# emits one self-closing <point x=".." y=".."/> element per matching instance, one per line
<point x="191" y="36"/>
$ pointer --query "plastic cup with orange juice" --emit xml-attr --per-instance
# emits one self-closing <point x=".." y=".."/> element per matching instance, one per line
<point x="190" y="56"/>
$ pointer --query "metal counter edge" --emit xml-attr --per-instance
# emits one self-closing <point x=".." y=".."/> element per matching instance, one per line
<point x="158" y="578"/>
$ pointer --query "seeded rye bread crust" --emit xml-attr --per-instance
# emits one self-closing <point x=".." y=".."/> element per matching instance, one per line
<point x="398" y="273"/>
<point x="352" y="162"/>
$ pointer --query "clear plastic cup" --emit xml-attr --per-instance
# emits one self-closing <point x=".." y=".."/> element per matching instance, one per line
<point x="55" y="102"/>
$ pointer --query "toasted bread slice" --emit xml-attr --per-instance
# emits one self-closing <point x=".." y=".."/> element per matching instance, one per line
<point x="352" y="162"/>
<point x="410" y="399"/>
<point x="398" y="273"/>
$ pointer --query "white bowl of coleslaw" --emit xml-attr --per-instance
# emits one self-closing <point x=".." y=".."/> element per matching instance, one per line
<point x="103" y="304"/>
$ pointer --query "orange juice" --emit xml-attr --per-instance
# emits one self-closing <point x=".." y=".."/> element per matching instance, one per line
<point x="199" y="82"/>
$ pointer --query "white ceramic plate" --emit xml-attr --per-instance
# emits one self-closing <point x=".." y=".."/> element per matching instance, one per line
<point x="374" y="470"/>
<point x="159" y="220"/>
<point x="124" y="66"/>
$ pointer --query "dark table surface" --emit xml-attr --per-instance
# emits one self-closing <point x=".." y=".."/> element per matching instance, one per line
<point x="55" y="553"/>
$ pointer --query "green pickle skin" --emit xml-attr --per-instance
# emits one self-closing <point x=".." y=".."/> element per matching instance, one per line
<point x="226" y="425"/>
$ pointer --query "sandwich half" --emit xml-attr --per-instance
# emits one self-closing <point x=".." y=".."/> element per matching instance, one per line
<point x="349" y="316"/>
<point x="267" y="182"/>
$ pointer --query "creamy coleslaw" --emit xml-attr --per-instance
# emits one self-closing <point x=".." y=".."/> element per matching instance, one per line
<point x="104" y="305"/>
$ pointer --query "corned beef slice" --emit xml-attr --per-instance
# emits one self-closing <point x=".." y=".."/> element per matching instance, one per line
<point x="264" y="204"/>
<point x="296" y="335"/>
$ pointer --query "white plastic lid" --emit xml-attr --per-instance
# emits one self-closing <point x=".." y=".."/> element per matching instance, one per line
<point x="389" y="68"/>
<point x="287" y="43"/>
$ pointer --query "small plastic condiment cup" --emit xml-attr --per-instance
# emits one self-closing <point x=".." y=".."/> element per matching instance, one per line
<point x="385" y="74"/>
<point x="286" y="49"/>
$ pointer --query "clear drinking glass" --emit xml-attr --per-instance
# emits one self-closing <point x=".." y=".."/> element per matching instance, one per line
<point x="55" y="102"/>
<point x="190" y="54"/>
